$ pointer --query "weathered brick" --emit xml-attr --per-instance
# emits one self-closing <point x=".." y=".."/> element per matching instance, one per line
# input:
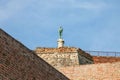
<point x="103" y="71"/>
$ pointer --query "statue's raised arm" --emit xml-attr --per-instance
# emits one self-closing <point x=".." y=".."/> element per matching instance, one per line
<point x="60" y="32"/>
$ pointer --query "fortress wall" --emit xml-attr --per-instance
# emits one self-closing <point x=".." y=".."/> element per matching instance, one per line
<point x="64" y="56"/>
<point x="60" y="59"/>
<point x="103" y="71"/>
<point x="19" y="63"/>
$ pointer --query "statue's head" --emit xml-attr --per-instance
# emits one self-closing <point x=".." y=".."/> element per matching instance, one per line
<point x="60" y="29"/>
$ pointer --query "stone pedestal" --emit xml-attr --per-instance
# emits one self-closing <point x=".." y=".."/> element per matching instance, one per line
<point x="60" y="43"/>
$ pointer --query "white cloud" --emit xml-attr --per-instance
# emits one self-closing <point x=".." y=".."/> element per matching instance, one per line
<point x="88" y="5"/>
<point x="14" y="6"/>
<point x="91" y="5"/>
<point x="11" y="7"/>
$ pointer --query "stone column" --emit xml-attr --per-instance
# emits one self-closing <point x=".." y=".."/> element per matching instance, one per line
<point x="60" y="43"/>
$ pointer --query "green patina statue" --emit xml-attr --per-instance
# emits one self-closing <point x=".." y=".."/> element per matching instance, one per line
<point x="60" y="32"/>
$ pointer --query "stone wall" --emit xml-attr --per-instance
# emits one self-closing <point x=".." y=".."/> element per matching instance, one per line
<point x="59" y="57"/>
<point x="103" y="71"/>
<point x="19" y="63"/>
<point x="103" y="59"/>
<point x="64" y="56"/>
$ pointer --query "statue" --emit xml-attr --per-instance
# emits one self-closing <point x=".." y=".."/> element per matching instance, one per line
<point x="60" y="32"/>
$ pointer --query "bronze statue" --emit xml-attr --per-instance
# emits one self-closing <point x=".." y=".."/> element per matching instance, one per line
<point x="60" y="32"/>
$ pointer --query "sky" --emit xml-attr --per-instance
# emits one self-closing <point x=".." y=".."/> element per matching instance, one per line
<point x="87" y="24"/>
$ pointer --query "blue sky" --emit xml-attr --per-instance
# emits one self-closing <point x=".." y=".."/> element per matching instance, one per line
<point x="87" y="24"/>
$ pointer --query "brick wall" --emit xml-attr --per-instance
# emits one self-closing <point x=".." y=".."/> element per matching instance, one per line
<point x="103" y="71"/>
<point x="102" y="59"/>
<point x="18" y="63"/>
